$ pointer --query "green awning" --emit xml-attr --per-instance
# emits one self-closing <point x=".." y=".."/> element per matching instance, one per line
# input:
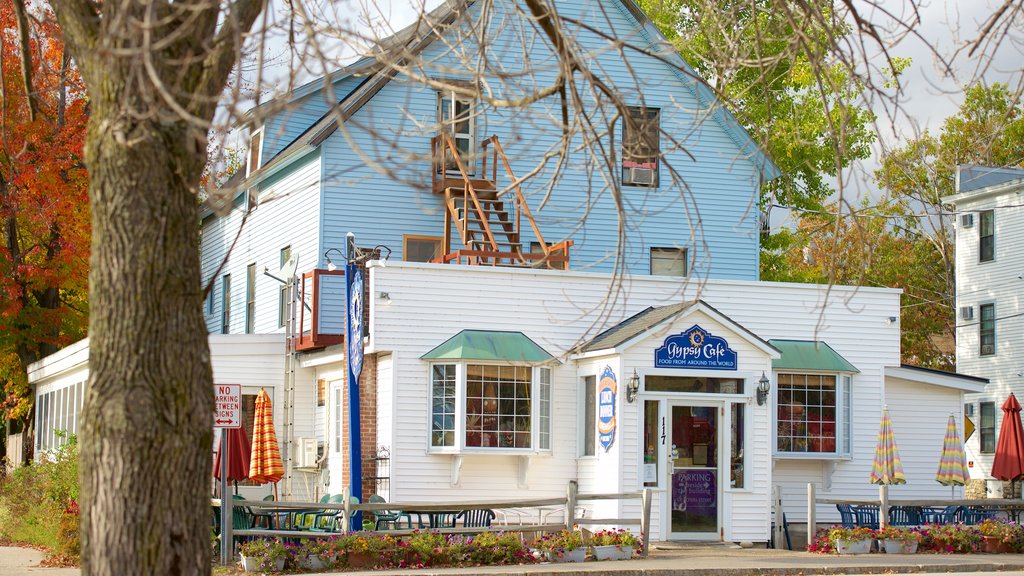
<point x="490" y="345"/>
<point x="809" y="355"/>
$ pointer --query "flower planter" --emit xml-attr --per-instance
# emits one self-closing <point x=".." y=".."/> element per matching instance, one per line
<point x="313" y="562"/>
<point x="898" y="547"/>
<point x="252" y="564"/>
<point x="360" y="560"/>
<point x="994" y="545"/>
<point x="577" y="555"/>
<point x="853" y="546"/>
<point x="613" y="552"/>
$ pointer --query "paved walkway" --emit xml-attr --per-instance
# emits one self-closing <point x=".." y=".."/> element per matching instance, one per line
<point x="692" y="560"/>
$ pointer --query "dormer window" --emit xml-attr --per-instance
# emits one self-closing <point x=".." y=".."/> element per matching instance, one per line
<point x="255" y="151"/>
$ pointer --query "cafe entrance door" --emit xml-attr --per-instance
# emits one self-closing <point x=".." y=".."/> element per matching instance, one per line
<point x="694" y="472"/>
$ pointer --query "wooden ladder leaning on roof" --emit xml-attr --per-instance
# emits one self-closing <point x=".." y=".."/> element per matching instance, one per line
<point x="489" y="231"/>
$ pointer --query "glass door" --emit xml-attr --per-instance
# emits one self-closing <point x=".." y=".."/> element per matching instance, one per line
<point x="695" y="475"/>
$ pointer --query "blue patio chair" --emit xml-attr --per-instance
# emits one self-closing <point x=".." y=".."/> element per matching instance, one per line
<point x="976" y="514"/>
<point x="475" y="518"/>
<point x="905" y="516"/>
<point x="867" y="515"/>
<point x="940" y="514"/>
<point x="847" y="515"/>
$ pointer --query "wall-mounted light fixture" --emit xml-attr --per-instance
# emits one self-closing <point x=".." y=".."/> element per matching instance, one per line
<point x="763" y="387"/>
<point x="330" y="265"/>
<point x="632" y="387"/>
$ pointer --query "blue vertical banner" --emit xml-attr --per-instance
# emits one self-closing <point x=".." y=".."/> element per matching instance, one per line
<point x="606" y="393"/>
<point x="354" y="359"/>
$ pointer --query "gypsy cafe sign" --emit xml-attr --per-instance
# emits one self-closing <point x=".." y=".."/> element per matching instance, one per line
<point x="695" y="348"/>
<point x="606" y="408"/>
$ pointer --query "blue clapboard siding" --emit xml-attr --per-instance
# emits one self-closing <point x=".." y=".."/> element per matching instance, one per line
<point x="712" y="212"/>
<point x="283" y="127"/>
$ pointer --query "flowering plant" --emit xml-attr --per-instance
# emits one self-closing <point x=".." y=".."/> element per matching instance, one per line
<point x="821" y="543"/>
<point x="267" y="552"/>
<point x="618" y="538"/>
<point x="905" y="536"/>
<point x="951" y="538"/>
<point x="1007" y="532"/>
<point x="857" y="534"/>
<point x="322" y="548"/>
<point x="558" y="542"/>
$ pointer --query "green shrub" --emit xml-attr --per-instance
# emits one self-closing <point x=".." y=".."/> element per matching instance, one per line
<point x="39" y="502"/>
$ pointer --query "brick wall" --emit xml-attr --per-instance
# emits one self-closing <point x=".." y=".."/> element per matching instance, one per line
<point x="367" y="427"/>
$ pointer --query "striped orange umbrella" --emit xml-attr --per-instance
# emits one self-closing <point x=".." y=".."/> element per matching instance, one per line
<point x="265" y="464"/>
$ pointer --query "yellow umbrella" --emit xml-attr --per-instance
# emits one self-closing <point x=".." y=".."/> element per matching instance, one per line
<point x="265" y="463"/>
<point x="887" y="467"/>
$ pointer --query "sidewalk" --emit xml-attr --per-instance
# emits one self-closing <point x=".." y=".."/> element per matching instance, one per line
<point x="684" y="560"/>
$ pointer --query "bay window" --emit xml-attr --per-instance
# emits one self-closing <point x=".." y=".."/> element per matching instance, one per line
<point x="813" y="413"/>
<point x="489" y="407"/>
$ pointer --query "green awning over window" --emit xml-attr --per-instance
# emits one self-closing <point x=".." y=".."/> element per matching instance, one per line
<point x="809" y="355"/>
<point x="490" y="345"/>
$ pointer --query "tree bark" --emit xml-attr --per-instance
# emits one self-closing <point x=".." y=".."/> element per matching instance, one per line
<point x="147" y="431"/>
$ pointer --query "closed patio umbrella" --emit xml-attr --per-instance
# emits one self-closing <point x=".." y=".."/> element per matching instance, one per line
<point x="1009" y="460"/>
<point x="887" y="467"/>
<point x="238" y="456"/>
<point x="265" y="464"/>
<point x="952" y="463"/>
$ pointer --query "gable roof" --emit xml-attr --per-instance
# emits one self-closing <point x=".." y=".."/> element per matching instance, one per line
<point x="934" y="377"/>
<point x="974" y="182"/>
<point x="412" y="40"/>
<point x="631" y="330"/>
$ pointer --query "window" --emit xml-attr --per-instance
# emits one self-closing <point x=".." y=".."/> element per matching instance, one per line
<point x="498" y="412"/>
<point x="421" y="248"/>
<point x="589" y="416"/>
<point x="668" y="262"/>
<point x="209" y="301"/>
<point x="986" y="236"/>
<point x="339" y="414"/>
<point x="225" y="304"/>
<point x="455" y="116"/>
<point x="814" y="413"/>
<point x="250" y="298"/>
<point x="255" y="151"/>
<point x="987" y="429"/>
<point x="321" y="392"/>
<point x="691" y="384"/>
<point x="282" y="294"/>
<point x="641" y="135"/>
<point x="651" y="441"/>
<point x="536" y="249"/>
<point x="988" y="329"/>
<point x="736" y="432"/>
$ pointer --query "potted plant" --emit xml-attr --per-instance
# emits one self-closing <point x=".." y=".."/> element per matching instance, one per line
<point x="563" y="546"/>
<point x="614" y="544"/>
<point x="316" y="553"/>
<point x="898" y="540"/>
<point x="851" y="540"/>
<point x="998" y="537"/>
<point x="263" y="555"/>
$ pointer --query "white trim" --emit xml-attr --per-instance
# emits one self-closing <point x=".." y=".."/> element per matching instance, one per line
<point x="954" y="381"/>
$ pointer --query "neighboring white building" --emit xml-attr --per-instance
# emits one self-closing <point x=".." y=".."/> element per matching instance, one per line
<point x="989" y="204"/>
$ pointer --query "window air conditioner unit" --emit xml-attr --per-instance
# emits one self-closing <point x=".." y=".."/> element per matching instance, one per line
<point x="638" y="176"/>
<point x="967" y="312"/>
<point x="305" y="452"/>
<point x="987" y="349"/>
<point x="969" y="410"/>
<point x="967" y="220"/>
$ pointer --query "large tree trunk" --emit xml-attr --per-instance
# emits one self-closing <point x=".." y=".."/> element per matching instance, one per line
<point x="148" y="412"/>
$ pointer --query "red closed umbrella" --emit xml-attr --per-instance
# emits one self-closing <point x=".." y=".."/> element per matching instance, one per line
<point x="238" y="456"/>
<point x="1009" y="461"/>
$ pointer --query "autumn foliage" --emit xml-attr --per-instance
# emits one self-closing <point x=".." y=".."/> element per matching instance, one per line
<point x="44" y="214"/>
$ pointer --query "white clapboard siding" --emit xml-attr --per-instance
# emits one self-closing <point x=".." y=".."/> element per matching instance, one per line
<point x="287" y="215"/>
<point x="429" y="304"/>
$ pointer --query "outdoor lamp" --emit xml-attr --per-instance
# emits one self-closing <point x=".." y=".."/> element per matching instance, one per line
<point x="632" y="387"/>
<point x="762" y="389"/>
<point x="330" y="265"/>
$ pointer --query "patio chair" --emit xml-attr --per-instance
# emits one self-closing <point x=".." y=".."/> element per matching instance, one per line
<point x="867" y="515"/>
<point x="976" y="514"/>
<point x="905" y="516"/>
<point x="475" y="518"/>
<point x="443" y="519"/>
<point x="940" y="514"/>
<point x="330" y="521"/>
<point x="389" y="519"/>
<point x="300" y="516"/>
<point x="847" y="515"/>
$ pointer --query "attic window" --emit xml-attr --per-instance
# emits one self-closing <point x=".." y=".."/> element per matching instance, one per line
<point x="255" y="151"/>
<point x="641" y="147"/>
